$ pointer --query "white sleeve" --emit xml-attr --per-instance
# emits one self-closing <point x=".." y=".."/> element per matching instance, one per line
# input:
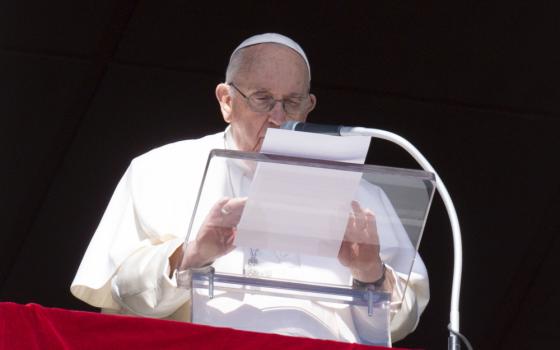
<point x="127" y="267"/>
<point x="414" y="301"/>
<point x="128" y="257"/>
<point x="404" y="316"/>
<point x="115" y="239"/>
<point x="142" y="285"/>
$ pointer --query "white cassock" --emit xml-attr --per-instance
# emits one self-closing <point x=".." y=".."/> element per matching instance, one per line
<point x="126" y="266"/>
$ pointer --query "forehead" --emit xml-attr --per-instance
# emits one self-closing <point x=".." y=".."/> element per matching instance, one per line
<point x="273" y="67"/>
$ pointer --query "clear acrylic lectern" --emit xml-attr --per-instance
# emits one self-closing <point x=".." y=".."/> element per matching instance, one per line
<point x="307" y="226"/>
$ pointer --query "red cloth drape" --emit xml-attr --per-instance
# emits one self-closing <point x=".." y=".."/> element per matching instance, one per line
<point x="33" y="326"/>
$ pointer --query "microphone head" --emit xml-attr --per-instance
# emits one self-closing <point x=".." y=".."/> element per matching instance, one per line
<point x="290" y="125"/>
<point x="312" y="127"/>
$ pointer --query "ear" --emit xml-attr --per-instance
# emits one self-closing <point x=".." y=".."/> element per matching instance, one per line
<point x="313" y="100"/>
<point x="224" y="99"/>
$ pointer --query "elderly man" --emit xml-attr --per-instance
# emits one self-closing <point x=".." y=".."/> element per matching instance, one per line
<point x="138" y="247"/>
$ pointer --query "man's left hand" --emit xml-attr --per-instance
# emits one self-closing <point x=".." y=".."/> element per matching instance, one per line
<point x="359" y="250"/>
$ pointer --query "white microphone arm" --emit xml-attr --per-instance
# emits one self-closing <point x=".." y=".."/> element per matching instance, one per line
<point x="453" y="342"/>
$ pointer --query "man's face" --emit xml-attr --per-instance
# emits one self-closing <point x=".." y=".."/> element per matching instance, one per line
<point x="277" y="71"/>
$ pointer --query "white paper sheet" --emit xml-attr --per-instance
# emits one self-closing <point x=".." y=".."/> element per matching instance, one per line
<point x="350" y="149"/>
<point x="297" y="208"/>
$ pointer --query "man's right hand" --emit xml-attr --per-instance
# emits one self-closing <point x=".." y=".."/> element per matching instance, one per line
<point x="216" y="235"/>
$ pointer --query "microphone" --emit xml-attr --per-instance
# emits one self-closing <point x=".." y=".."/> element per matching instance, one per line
<point x="312" y="127"/>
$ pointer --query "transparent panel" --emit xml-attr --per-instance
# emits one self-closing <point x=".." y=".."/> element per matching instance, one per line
<point x="310" y="248"/>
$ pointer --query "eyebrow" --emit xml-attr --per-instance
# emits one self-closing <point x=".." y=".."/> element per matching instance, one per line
<point x="290" y="95"/>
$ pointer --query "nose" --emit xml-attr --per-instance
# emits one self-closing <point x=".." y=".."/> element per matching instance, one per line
<point x="277" y="114"/>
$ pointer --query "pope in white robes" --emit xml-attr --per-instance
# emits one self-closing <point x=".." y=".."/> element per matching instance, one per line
<point x="129" y="265"/>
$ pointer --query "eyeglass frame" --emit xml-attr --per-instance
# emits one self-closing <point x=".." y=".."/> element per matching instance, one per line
<point x="272" y="102"/>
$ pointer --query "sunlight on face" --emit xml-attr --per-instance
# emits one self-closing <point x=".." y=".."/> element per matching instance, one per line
<point x="276" y="71"/>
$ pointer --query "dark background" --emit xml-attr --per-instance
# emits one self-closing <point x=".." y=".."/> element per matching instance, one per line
<point x="85" y="86"/>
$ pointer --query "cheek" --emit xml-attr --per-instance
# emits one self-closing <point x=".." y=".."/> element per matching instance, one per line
<point x="298" y="118"/>
<point x="249" y="130"/>
<point x="253" y="125"/>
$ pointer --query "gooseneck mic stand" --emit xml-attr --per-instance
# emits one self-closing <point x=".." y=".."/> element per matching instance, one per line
<point x="454" y="334"/>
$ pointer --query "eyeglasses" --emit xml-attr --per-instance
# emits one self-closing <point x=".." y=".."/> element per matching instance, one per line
<point x="263" y="102"/>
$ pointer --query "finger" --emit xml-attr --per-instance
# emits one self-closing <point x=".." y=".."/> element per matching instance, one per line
<point x="225" y="242"/>
<point x="235" y="205"/>
<point x="229" y="246"/>
<point x="231" y="210"/>
<point x="373" y="237"/>
<point x="224" y="210"/>
<point x="361" y="222"/>
<point x="344" y="253"/>
<point x="218" y="206"/>
<point x="214" y="216"/>
<point x="350" y="227"/>
<point x="231" y="237"/>
<point x="222" y="201"/>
